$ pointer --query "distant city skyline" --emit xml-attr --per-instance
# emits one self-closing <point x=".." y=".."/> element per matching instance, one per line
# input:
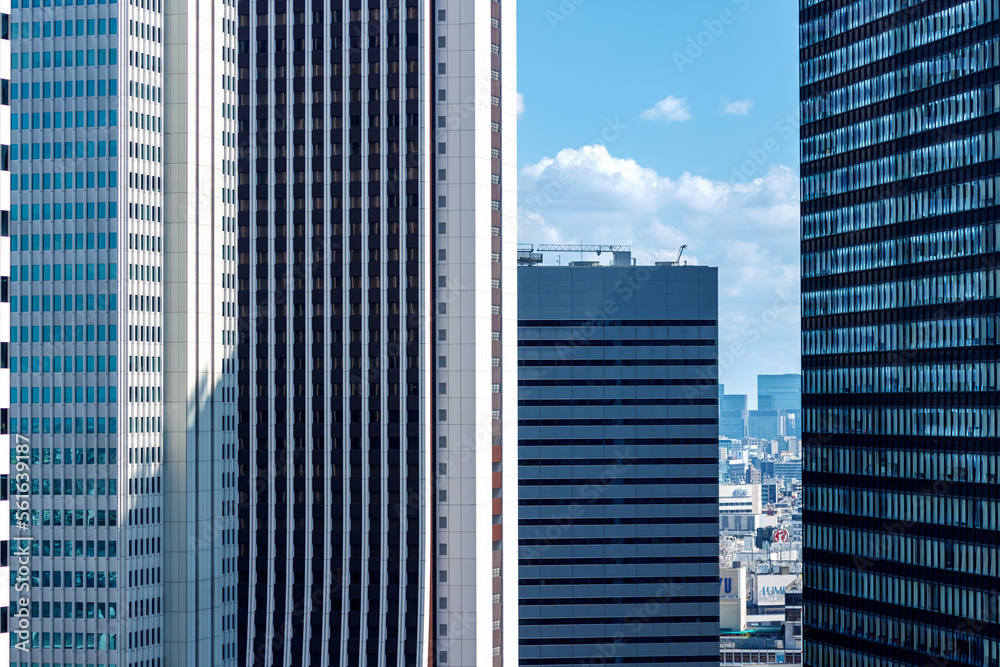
<point x="652" y="132"/>
<point x="785" y="381"/>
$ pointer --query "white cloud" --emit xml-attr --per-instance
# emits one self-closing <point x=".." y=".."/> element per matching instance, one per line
<point x="737" y="107"/>
<point x="748" y="229"/>
<point x="520" y="104"/>
<point x="669" y="109"/>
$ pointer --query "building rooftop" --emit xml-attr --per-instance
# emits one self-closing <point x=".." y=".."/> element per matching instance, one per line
<point x="529" y="254"/>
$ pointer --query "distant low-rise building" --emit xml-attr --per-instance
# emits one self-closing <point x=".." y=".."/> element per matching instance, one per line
<point x="746" y="523"/>
<point x="733" y="599"/>
<point x="768" y="493"/>
<point x="768" y="590"/>
<point x="788" y="469"/>
<point x="739" y="499"/>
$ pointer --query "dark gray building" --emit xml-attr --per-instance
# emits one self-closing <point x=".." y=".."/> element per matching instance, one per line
<point x="899" y="111"/>
<point x="768" y="494"/>
<point x="618" y="448"/>
<point x="377" y="288"/>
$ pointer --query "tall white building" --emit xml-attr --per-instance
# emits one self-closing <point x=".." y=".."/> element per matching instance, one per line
<point x="378" y="369"/>
<point x="122" y="228"/>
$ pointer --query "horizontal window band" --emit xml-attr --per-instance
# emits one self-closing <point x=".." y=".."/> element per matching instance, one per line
<point x="617" y="323"/>
<point x="615" y="402"/>
<point x="603" y="342"/>
<point x="622" y="461"/>
<point x="571" y="502"/>
<point x="618" y="641"/>
<point x="620" y="382"/>
<point x="531" y="363"/>
<point x="618" y="422"/>
<point x="616" y="541"/>
<point x="628" y="621"/>
<point x="617" y="521"/>
<point x="618" y="481"/>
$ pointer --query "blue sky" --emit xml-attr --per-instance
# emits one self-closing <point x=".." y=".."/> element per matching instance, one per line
<point x="661" y="122"/>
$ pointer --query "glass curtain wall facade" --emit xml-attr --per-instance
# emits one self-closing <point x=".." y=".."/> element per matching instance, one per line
<point x="779" y="392"/>
<point x="12" y="488"/>
<point x="733" y="416"/>
<point x="123" y="308"/>
<point x="899" y="110"/>
<point x="618" y="458"/>
<point x="377" y="413"/>
<point x="782" y="393"/>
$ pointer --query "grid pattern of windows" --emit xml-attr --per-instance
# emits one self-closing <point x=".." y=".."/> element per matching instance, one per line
<point x="333" y="225"/>
<point x="899" y="103"/>
<point x="68" y="307"/>
<point x="618" y="474"/>
<point x="11" y="486"/>
<point x="358" y="125"/>
<point x="89" y="307"/>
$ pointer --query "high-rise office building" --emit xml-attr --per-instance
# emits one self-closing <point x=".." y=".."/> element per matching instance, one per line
<point x="782" y="393"/>
<point x="733" y="416"/>
<point x="377" y="241"/>
<point x="779" y="392"/>
<point x="899" y="104"/>
<point x="12" y="526"/>
<point x="765" y="424"/>
<point x="122" y="226"/>
<point x="619" y="516"/>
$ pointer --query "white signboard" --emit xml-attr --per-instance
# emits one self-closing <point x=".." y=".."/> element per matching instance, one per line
<point x="769" y="589"/>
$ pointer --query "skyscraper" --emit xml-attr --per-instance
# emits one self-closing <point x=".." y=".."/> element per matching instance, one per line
<point x="899" y="104"/>
<point x="779" y="392"/>
<point x="765" y="424"/>
<point x="12" y="526"/>
<point x="377" y="373"/>
<point x="123" y="231"/>
<point x="618" y="459"/>
<point x="733" y="416"/>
